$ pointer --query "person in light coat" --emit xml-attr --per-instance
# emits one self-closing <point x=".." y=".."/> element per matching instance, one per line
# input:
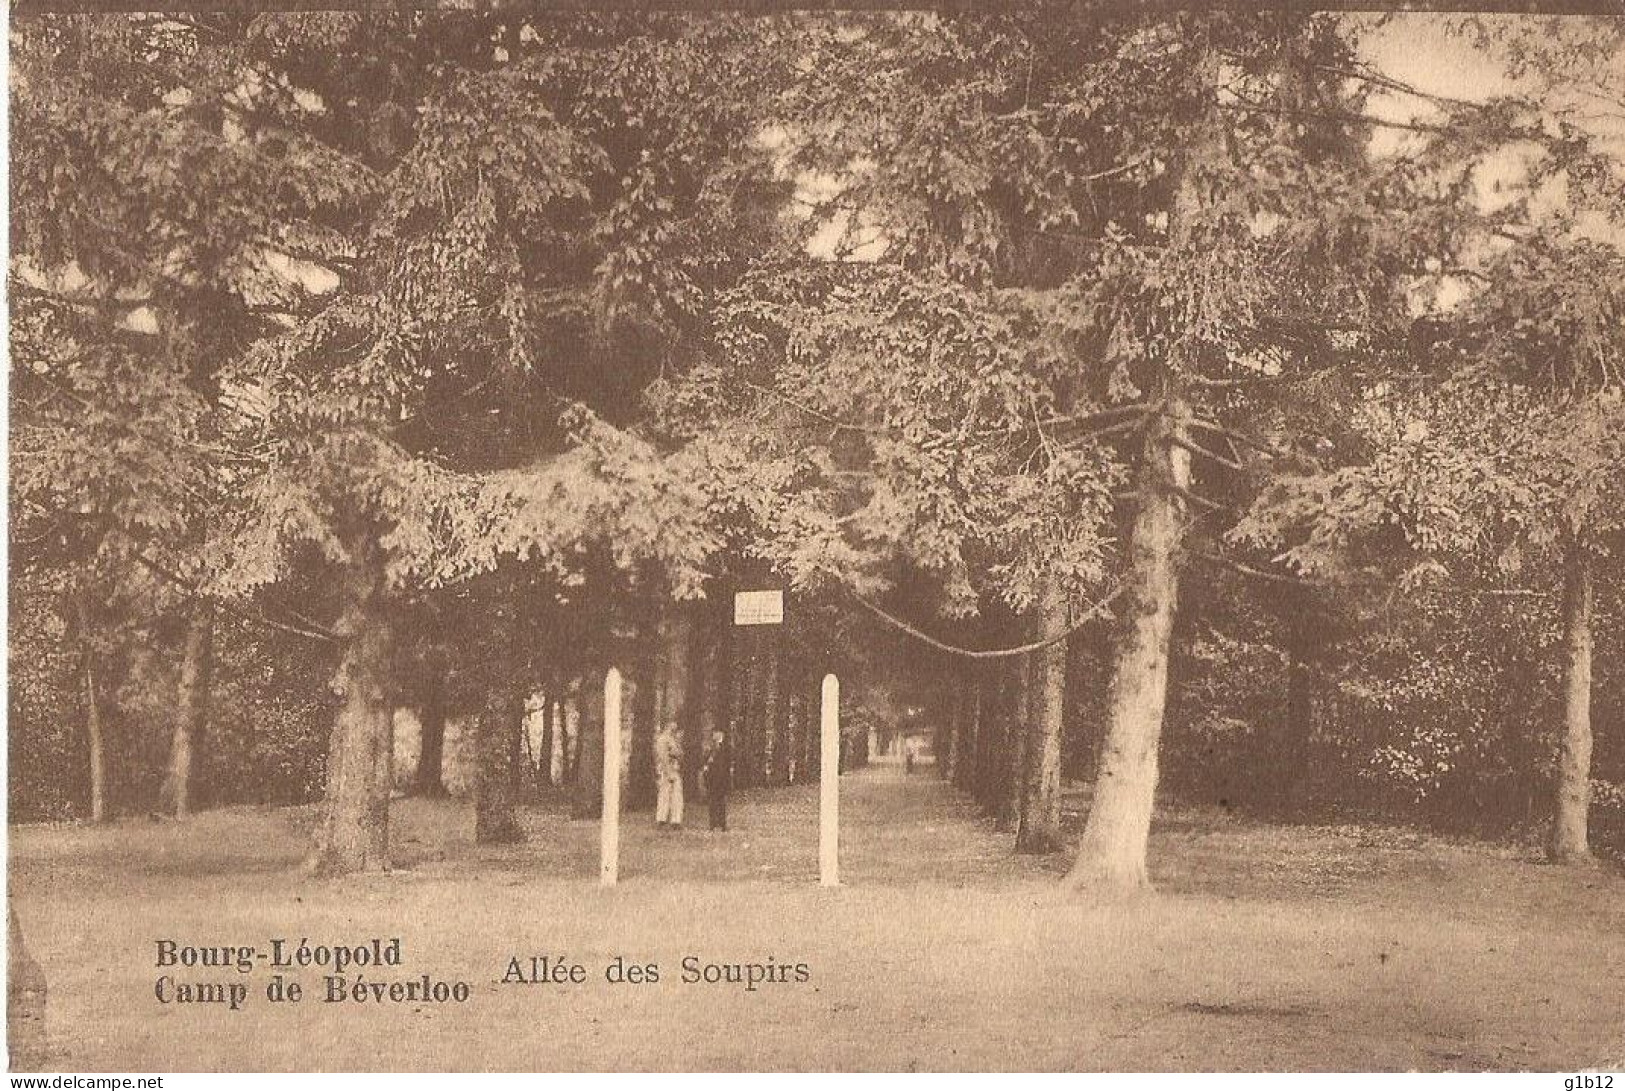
<point x="668" y="778"/>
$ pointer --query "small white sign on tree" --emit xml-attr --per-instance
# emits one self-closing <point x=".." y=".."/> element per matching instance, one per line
<point x="759" y="608"/>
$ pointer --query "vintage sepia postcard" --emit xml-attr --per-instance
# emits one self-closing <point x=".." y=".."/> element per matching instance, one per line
<point x="1056" y="536"/>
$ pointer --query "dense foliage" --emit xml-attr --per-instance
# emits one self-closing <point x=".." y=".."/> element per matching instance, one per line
<point x="436" y="360"/>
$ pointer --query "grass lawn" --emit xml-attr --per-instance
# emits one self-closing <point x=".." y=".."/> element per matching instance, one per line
<point x="1266" y="947"/>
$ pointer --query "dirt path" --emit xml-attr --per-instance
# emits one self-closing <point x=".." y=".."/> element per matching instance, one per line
<point x="1268" y="948"/>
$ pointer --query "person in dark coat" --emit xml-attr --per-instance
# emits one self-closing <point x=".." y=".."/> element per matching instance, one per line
<point x="714" y="773"/>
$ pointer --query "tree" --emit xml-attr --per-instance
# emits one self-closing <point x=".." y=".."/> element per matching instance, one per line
<point x="470" y="215"/>
<point x="139" y="274"/>
<point x="557" y="203"/>
<point x="197" y="665"/>
<point x="1498" y="455"/>
<point x="1064" y="274"/>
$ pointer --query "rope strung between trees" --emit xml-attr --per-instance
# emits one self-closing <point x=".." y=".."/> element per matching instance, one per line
<point x="1088" y="615"/>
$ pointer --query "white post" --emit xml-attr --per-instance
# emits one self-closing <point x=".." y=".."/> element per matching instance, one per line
<point x="609" y="827"/>
<point x="829" y="785"/>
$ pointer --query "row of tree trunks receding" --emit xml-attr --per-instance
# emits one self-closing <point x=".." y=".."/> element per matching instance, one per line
<point x="177" y="792"/>
<point x="1024" y="793"/>
<point x="1003" y="743"/>
<point x="1010" y="763"/>
<point x="765" y="695"/>
<point x="354" y="831"/>
<point x="999" y="731"/>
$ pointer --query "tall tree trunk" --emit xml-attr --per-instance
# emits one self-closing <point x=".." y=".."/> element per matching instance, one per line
<point x="956" y="730"/>
<point x="82" y="615"/>
<point x="1112" y="853"/>
<point x="354" y="832"/>
<point x="1015" y="784"/>
<point x="733" y="678"/>
<point x="644" y="706"/>
<point x="570" y="755"/>
<point x="498" y="753"/>
<point x="677" y="707"/>
<point x="771" y="745"/>
<point x="795" y="769"/>
<point x="555" y="753"/>
<point x="544" y="751"/>
<point x="524" y="754"/>
<point x="970" y="741"/>
<point x="94" y="735"/>
<point x="1570" y="841"/>
<point x="587" y="801"/>
<point x="192" y="712"/>
<point x="784" y="720"/>
<point x="428" y="779"/>
<point x="995" y="765"/>
<point x="812" y="724"/>
<point x="707" y="700"/>
<point x="742" y="746"/>
<point x="1292" y="755"/>
<point x="1039" y="828"/>
<point x="988" y="725"/>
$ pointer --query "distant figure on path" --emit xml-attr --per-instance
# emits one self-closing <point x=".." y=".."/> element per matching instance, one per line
<point x="908" y="755"/>
<point x="668" y="778"/>
<point x="714" y="775"/>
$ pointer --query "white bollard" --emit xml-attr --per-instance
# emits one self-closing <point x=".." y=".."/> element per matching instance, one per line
<point x="829" y="785"/>
<point x="609" y="827"/>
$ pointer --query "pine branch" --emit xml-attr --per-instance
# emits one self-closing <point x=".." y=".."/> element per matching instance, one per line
<point x="1135" y="409"/>
<point x="1258" y="573"/>
<point x="816" y="413"/>
<point x="1388" y="83"/>
<point x="1197" y="449"/>
<point x="1232" y="382"/>
<point x="1195" y="498"/>
<point x="1395" y="585"/>
<point x="1242" y="438"/>
<point x="1244" y="106"/>
<point x="1122" y="427"/>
